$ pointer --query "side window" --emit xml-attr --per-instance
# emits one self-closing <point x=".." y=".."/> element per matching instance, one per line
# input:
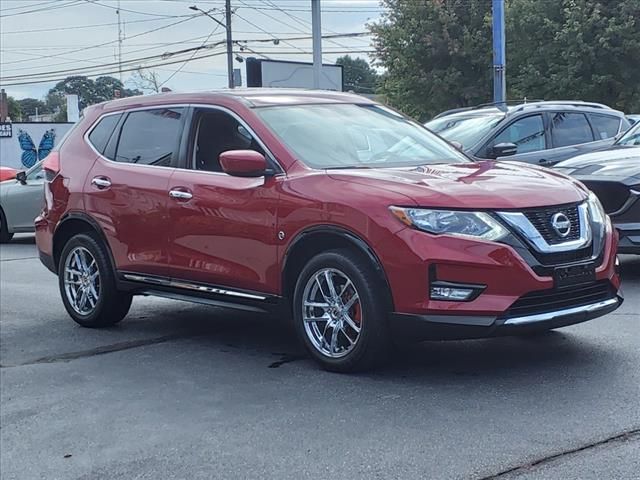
<point x="217" y="132"/>
<point x="150" y="137"/>
<point x="102" y="132"/>
<point x="36" y="174"/>
<point x="604" y="126"/>
<point x="570" y="129"/>
<point x="526" y="133"/>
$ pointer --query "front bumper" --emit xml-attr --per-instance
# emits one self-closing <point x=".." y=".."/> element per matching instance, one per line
<point x="449" y="327"/>
<point x="629" y="237"/>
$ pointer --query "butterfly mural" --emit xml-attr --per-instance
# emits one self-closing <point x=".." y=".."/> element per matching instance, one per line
<point x="31" y="154"/>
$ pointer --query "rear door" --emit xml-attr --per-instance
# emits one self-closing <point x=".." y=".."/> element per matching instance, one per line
<point x="571" y="135"/>
<point x="126" y="191"/>
<point x="222" y="228"/>
<point x="23" y="202"/>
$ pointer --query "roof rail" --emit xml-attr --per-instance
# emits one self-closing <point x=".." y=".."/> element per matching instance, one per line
<point x="488" y="104"/>
<point x="574" y="103"/>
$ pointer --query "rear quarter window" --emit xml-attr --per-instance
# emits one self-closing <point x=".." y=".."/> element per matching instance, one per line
<point x="570" y="129"/>
<point x="150" y="137"/>
<point x="101" y="133"/>
<point x="604" y="126"/>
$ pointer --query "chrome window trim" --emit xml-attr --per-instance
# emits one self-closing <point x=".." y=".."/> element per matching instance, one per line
<point x="524" y="227"/>
<point x="178" y="105"/>
<point x="542" y="317"/>
<point x="191" y="286"/>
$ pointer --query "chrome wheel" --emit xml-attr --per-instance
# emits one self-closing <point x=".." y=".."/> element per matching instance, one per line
<point x="81" y="280"/>
<point x="331" y="312"/>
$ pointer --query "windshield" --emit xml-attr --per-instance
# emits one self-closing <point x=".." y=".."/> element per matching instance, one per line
<point x="632" y="137"/>
<point x="352" y="136"/>
<point x="467" y="130"/>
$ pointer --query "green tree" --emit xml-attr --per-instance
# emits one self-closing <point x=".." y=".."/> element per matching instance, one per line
<point x="358" y="74"/>
<point x="436" y="53"/>
<point x="29" y="106"/>
<point x="575" y="49"/>
<point x="89" y="91"/>
<point x="15" y="113"/>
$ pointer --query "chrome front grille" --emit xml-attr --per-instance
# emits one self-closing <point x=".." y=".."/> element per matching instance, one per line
<point x="542" y="220"/>
<point x="539" y="227"/>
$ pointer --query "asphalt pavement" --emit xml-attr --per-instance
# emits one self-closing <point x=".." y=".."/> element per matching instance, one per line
<point x="185" y="391"/>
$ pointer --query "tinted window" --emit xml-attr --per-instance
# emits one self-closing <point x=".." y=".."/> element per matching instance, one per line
<point x="632" y="137"/>
<point x="101" y="133"/>
<point x="570" y="129"/>
<point x="219" y="132"/>
<point x="150" y="137"/>
<point x="526" y="133"/>
<point x="467" y="130"/>
<point x="604" y="126"/>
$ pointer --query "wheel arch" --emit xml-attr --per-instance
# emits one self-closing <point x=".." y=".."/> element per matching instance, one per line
<point x="314" y="240"/>
<point x="73" y="224"/>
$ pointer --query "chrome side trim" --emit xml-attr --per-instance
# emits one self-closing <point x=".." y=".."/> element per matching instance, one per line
<point x="524" y="227"/>
<point x="541" y="317"/>
<point x="192" y="286"/>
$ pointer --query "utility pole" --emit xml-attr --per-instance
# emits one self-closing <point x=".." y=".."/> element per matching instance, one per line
<point x="227" y="27"/>
<point x="499" y="57"/>
<point x="119" y="43"/>
<point x="227" y="12"/>
<point x="316" y="32"/>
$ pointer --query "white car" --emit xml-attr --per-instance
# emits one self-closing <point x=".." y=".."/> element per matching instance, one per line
<point x="21" y="200"/>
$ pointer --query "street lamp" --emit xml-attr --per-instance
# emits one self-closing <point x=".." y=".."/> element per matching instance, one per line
<point x="227" y="27"/>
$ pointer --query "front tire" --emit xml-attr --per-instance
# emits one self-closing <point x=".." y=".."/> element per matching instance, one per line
<point x="88" y="285"/>
<point x="5" y="234"/>
<point x="340" y="309"/>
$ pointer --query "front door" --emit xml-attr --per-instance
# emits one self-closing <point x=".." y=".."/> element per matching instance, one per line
<point x="223" y="228"/>
<point x="127" y="191"/>
<point x="23" y="202"/>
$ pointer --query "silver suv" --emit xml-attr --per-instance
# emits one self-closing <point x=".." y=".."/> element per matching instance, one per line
<point x="539" y="132"/>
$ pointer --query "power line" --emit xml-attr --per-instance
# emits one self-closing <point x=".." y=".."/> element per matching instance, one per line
<point x="81" y="27"/>
<point x="59" y="6"/>
<point x="129" y="69"/>
<point x="191" y="57"/>
<point x="191" y="17"/>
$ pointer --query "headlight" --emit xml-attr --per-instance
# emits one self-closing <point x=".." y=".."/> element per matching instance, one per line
<point x="596" y="210"/>
<point x="451" y="222"/>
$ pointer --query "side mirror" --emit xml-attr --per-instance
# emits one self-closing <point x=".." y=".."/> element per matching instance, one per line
<point x="243" y="163"/>
<point x="503" y="150"/>
<point x="458" y="145"/>
<point x="22" y="177"/>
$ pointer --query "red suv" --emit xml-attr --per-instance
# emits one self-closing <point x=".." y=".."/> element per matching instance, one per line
<point x="355" y="220"/>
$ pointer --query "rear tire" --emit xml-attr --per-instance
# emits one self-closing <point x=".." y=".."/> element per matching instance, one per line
<point x="340" y="311"/>
<point x="5" y="235"/>
<point x="88" y="285"/>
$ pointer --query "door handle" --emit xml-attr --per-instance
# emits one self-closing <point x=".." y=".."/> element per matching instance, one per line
<point x="543" y="161"/>
<point x="101" y="182"/>
<point x="180" y="195"/>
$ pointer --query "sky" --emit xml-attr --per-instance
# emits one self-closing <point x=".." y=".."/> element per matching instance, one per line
<point x="47" y="40"/>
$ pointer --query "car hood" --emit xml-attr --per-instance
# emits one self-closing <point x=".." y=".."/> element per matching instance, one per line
<point x="482" y="185"/>
<point x="616" y="162"/>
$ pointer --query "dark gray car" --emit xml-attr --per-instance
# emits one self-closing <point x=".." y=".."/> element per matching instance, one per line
<point x="542" y="133"/>
<point x="614" y="176"/>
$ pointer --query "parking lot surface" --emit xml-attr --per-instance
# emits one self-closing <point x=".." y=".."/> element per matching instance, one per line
<point x="179" y="390"/>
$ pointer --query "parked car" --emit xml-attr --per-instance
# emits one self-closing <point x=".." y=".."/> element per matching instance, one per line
<point x="614" y="176"/>
<point x="357" y="221"/>
<point x="7" y="173"/>
<point x="21" y="200"/>
<point x="633" y="119"/>
<point x="542" y="133"/>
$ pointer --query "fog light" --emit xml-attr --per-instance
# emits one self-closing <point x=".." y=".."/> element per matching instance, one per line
<point x="454" y="292"/>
